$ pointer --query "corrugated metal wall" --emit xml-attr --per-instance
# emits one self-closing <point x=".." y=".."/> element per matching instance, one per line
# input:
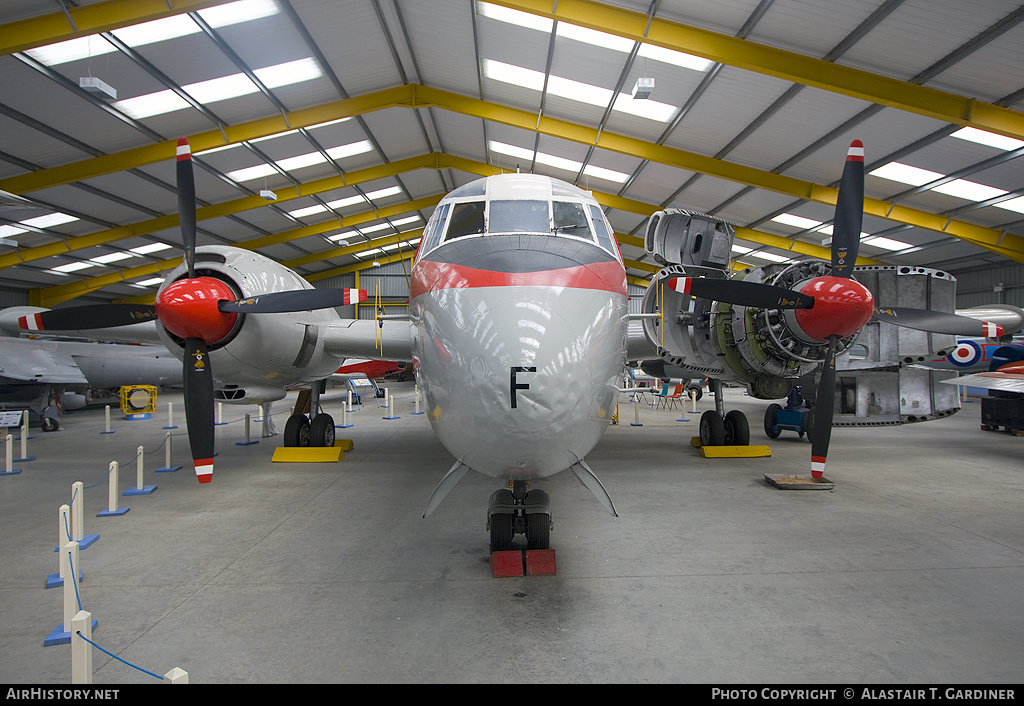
<point x="13" y="298"/>
<point x="983" y="287"/>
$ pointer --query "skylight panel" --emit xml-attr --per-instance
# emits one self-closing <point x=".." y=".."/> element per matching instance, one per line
<point x="515" y="17"/>
<point x="983" y="137"/>
<point x="972" y="191"/>
<point x="111" y="257"/>
<point x="348" y="201"/>
<point x="557" y="162"/>
<point x="516" y="75"/>
<point x="8" y="230"/>
<point x="594" y="37"/>
<point x="886" y="243"/>
<point x="798" y="221"/>
<point x="218" y="89"/>
<point x="150" y="248"/>
<point x="905" y="174"/>
<point x="148" y="282"/>
<point x="769" y="256"/>
<point x="153" y="31"/>
<point x="644" y="108"/>
<point x="71" y="267"/>
<point x="676" y="58"/>
<point x="49" y="220"/>
<point x="1016" y="204"/>
<point x="607" y="174"/>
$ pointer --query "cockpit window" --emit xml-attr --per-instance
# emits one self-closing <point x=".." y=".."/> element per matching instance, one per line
<point x="518" y="217"/>
<point x="570" y="218"/>
<point x="435" y="227"/>
<point x="604" y="236"/>
<point x="467" y="219"/>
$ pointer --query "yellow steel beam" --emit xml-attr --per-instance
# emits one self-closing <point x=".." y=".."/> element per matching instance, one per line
<point x="1007" y="245"/>
<point x="771" y="61"/>
<point x="54" y="295"/>
<point x="227" y="208"/>
<point x="165" y="151"/>
<point x="89" y="19"/>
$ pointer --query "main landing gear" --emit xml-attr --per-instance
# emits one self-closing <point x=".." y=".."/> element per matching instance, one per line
<point x="718" y="428"/>
<point x="519" y="511"/>
<point x="317" y="429"/>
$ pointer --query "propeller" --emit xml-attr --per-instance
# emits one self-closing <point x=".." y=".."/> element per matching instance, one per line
<point x="835" y="306"/>
<point x="200" y="310"/>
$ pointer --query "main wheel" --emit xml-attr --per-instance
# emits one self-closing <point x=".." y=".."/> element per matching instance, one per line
<point x="712" y="429"/>
<point x="296" y="431"/>
<point x="49" y="424"/>
<point x="538" y="531"/>
<point x="321" y="430"/>
<point x="501" y="532"/>
<point x="771" y="429"/>
<point x="737" y="430"/>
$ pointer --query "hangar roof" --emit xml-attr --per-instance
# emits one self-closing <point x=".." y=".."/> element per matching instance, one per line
<point x="359" y="115"/>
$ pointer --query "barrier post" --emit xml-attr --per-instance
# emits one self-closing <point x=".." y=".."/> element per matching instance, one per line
<point x="636" y="413"/>
<point x="24" y="439"/>
<point x="176" y="676"/>
<point x="167" y="467"/>
<point x="139" y="488"/>
<point x="170" y="416"/>
<point x="388" y="403"/>
<point x="9" y="470"/>
<point x="81" y="649"/>
<point x="106" y="420"/>
<point x="417" y="402"/>
<point x="220" y="414"/>
<point x="56" y="580"/>
<point x="61" y="634"/>
<point x="349" y="400"/>
<point x="78" y="518"/>
<point x="112" y="508"/>
<point x="247" y="441"/>
<point x="344" y="418"/>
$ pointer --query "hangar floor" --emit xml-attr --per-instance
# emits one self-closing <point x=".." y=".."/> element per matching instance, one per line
<point x="909" y="571"/>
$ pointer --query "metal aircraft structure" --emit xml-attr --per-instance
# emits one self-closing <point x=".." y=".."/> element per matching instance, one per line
<point x="518" y="331"/>
<point x="51" y="376"/>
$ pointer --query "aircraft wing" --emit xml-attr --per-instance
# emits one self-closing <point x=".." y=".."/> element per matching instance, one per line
<point x="365" y="338"/>
<point x="997" y="380"/>
<point x="37" y="361"/>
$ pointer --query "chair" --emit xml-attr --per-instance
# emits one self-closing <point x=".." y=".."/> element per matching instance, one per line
<point x="673" y="399"/>
<point x="659" y="397"/>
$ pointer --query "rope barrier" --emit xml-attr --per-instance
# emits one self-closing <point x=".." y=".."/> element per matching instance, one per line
<point x="145" y="671"/>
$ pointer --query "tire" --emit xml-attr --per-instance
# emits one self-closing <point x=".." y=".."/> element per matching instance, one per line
<point x="771" y="429"/>
<point x="296" y="431"/>
<point x="321" y="430"/>
<point x="501" y="532"/>
<point x="712" y="429"/>
<point x="737" y="430"/>
<point x="538" y="531"/>
<point x="49" y="424"/>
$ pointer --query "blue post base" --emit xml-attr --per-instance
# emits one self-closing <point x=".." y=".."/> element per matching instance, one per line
<point x="172" y="427"/>
<point x="55" y="581"/>
<point x="343" y="426"/>
<point x="59" y="637"/>
<point x="12" y="472"/>
<point x="87" y="541"/>
<point x="168" y="469"/>
<point x="246" y="443"/>
<point x="145" y="490"/>
<point x="634" y="424"/>
<point x="22" y="460"/>
<point x="108" y="432"/>
<point x="108" y="513"/>
<point x="138" y="417"/>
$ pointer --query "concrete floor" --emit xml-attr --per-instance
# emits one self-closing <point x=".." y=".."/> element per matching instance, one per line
<point x="909" y="571"/>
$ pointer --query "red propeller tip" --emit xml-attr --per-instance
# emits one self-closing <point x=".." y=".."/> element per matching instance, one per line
<point x="817" y="467"/>
<point x="204" y="470"/>
<point x="856" y="152"/>
<point x="354" y="296"/>
<point x="32" y="322"/>
<point x="992" y="330"/>
<point x="679" y="284"/>
<point x="184" y="151"/>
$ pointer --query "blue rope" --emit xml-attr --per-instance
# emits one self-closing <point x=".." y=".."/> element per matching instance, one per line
<point x="74" y="581"/>
<point x="155" y="676"/>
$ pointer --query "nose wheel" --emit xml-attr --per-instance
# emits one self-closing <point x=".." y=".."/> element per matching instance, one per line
<point x="518" y="511"/>
<point x="718" y="428"/>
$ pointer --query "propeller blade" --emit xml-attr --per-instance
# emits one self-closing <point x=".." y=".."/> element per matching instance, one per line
<point x="198" y="379"/>
<point x="849" y="213"/>
<point x="81" y="318"/>
<point x="741" y="293"/>
<point x="821" y="425"/>
<point x="938" y="322"/>
<point x="187" y="203"/>
<point x="298" y="300"/>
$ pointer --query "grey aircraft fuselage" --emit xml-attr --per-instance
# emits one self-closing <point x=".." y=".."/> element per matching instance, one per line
<point x="519" y="306"/>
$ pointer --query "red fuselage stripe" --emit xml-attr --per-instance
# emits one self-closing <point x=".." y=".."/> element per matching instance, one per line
<point x="431" y="276"/>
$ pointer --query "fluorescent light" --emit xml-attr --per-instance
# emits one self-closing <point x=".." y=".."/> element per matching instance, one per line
<point x="151" y="248"/>
<point x="218" y="89"/>
<point x="983" y="137"/>
<point x="154" y="31"/>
